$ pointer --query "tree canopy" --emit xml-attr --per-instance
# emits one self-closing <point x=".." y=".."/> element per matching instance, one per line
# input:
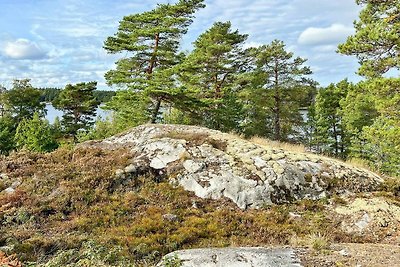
<point x="376" y="42"/>
<point x="79" y="106"/>
<point x="151" y="40"/>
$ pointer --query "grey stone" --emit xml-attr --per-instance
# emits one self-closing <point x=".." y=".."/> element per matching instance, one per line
<point x="130" y="168"/>
<point x="9" y="190"/>
<point x="234" y="257"/>
<point x="363" y="223"/>
<point x="192" y="166"/>
<point x="235" y="168"/>
<point x="15" y="184"/>
<point x="119" y="173"/>
<point x="344" y="252"/>
<point x="170" y="217"/>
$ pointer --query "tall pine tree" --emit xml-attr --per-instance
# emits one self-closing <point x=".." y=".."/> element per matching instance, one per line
<point x="376" y="42"/>
<point x="151" y="40"/>
<point x="210" y="73"/>
<point x="283" y="78"/>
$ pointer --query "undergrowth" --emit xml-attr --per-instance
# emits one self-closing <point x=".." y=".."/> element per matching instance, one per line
<point x="70" y="209"/>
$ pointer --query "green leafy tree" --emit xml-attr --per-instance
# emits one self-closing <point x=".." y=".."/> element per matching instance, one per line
<point x="22" y="101"/>
<point x="79" y="106"/>
<point x="7" y="132"/>
<point x="211" y="74"/>
<point x="382" y="145"/>
<point x="151" y="40"/>
<point x="376" y="42"/>
<point x="312" y="136"/>
<point x="35" y="135"/>
<point x="281" y="81"/>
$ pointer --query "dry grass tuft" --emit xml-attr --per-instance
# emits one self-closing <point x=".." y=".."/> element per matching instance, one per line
<point x="278" y="145"/>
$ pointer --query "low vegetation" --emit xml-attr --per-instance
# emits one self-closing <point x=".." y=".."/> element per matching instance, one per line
<point x="71" y="209"/>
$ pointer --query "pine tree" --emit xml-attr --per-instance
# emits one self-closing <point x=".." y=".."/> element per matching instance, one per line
<point x="79" y="105"/>
<point x="376" y="42"/>
<point x="330" y="129"/>
<point x="151" y="40"/>
<point x="210" y="73"/>
<point x="284" y="79"/>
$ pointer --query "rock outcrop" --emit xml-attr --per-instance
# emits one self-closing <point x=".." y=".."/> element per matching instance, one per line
<point x="216" y="165"/>
<point x="232" y="257"/>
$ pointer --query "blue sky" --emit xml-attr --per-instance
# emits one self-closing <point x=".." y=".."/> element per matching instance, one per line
<point x="56" y="42"/>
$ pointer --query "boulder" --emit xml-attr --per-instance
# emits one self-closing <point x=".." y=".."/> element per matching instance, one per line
<point x="217" y="165"/>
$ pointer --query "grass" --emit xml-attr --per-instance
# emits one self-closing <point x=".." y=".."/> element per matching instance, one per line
<point x="298" y="148"/>
<point x="70" y="197"/>
<point x="71" y="208"/>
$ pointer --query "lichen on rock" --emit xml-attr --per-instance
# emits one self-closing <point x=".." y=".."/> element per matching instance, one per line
<point x="214" y="165"/>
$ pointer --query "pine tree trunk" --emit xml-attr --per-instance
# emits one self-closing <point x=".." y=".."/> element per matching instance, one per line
<point x="277" y="122"/>
<point x="156" y="111"/>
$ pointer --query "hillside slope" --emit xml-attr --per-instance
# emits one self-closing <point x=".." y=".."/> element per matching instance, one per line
<point x="122" y="201"/>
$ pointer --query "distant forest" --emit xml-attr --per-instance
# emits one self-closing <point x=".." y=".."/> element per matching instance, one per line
<point x="49" y="94"/>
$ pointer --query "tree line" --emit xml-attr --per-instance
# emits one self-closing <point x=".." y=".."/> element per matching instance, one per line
<point x="257" y="91"/>
<point x="49" y="94"/>
<point x="22" y="116"/>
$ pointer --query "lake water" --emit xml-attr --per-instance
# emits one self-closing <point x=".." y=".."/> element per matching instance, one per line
<point x="52" y="113"/>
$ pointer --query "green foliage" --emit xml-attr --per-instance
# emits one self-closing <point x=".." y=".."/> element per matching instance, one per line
<point x="35" y="135"/>
<point x="376" y="41"/>
<point x="89" y="254"/>
<point x="371" y="111"/>
<point x="129" y="108"/>
<point x="22" y="100"/>
<point x="50" y="94"/>
<point x="210" y="73"/>
<point x="151" y="40"/>
<point x="79" y="106"/>
<point x="172" y="261"/>
<point x="107" y="128"/>
<point x="7" y="131"/>
<point x="358" y="110"/>
<point x="278" y="89"/>
<point x="331" y="133"/>
<point x="382" y="145"/>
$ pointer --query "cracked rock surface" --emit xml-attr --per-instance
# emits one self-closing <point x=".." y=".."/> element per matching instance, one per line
<point x="234" y="257"/>
<point x="216" y="165"/>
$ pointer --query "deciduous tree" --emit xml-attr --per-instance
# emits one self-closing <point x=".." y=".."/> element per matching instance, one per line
<point x="22" y="100"/>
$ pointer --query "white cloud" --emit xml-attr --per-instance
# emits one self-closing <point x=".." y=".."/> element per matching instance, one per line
<point x="23" y="49"/>
<point x="333" y="34"/>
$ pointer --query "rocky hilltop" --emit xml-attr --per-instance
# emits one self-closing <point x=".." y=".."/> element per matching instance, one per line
<point x="216" y="165"/>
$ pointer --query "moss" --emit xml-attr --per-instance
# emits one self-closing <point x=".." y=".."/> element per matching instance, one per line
<point x="308" y="177"/>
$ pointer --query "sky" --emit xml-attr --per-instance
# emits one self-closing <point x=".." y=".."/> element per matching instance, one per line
<point x="56" y="42"/>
